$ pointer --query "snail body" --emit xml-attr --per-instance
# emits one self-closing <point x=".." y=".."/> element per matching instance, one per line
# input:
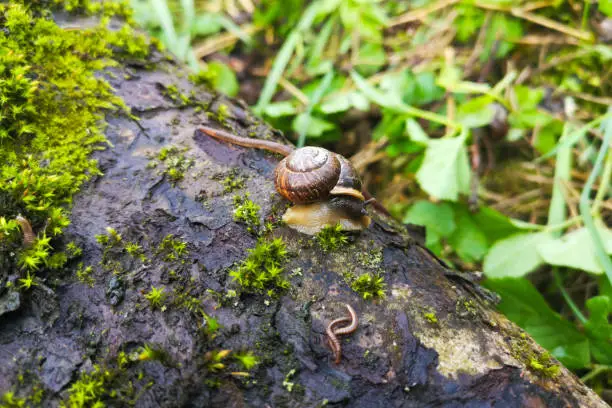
<point x="323" y="185"/>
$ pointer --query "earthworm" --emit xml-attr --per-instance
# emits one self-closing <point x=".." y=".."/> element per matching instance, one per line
<point x="26" y="229"/>
<point x="332" y="340"/>
<point x="332" y="332"/>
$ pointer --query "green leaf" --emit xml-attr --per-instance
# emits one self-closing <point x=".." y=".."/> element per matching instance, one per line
<point x="546" y="138"/>
<point x="476" y="112"/>
<point x="223" y="78"/>
<point x="599" y="329"/>
<point x="342" y="102"/>
<point x="416" y="132"/>
<point x="527" y="98"/>
<point x="313" y="126"/>
<point x="205" y="24"/>
<point x="278" y="109"/>
<point x="576" y="249"/>
<point x="524" y="305"/>
<point x="468" y="240"/>
<point x="605" y="6"/>
<point x="436" y="217"/>
<point x="371" y="57"/>
<point x="503" y="30"/>
<point x="515" y="256"/>
<point x="494" y="224"/>
<point x="445" y="172"/>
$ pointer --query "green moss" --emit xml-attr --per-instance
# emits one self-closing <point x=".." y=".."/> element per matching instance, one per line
<point x="372" y="259"/>
<point x="177" y="96"/>
<point x="172" y="249"/>
<point x="232" y="182"/>
<point x="247" y="212"/>
<point x="369" y="286"/>
<point x="175" y="163"/>
<point x="431" y="317"/>
<point x="331" y="237"/>
<point x="156" y="297"/>
<point x="52" y="107"/>
<point x="262" y="271"/>
<point x="10" y="400"/>
<point x="540" y="363"/>
<point x="222" y="113"/>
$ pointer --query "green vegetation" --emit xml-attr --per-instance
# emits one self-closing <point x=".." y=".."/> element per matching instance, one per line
<point x="172" y="249"/>
<point x="262" y="271"/>
<point x="539" y="363"/>
<point x="175" y="163"/>
<point x="369" y="286"/>
<point x="233" y="182"/>
<point x="331" y="237"/>
<point x="247" y="212"/>
<point x="51" y="122"/>
<point x="156" y="297"/>
<point x="488" y="134"/>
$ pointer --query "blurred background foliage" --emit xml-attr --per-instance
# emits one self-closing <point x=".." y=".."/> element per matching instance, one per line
<point x="486" y="121"/>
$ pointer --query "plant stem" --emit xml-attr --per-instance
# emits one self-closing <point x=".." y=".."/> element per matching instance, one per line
<point x="566" y="296"/>
<point x="597" y="369"/>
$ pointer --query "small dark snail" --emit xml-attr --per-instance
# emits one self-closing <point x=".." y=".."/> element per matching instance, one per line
<point x="323" y="185"/>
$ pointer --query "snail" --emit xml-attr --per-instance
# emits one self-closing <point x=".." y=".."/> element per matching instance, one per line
<point x="323" y="186"/>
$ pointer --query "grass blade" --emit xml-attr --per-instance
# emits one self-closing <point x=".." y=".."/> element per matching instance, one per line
<point x="585" y="210"/>
<point x="314" y="100"/>
<point x="283" y="56"/>
<point x="165" y="18"/>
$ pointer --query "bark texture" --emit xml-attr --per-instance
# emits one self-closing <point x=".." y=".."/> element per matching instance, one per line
<point x="435" y="340"/>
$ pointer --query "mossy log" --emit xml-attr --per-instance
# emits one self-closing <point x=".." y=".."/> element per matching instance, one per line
<point x="434" y="339"/>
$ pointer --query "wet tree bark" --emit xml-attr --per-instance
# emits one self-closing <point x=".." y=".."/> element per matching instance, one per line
<point x="434" y="340"/>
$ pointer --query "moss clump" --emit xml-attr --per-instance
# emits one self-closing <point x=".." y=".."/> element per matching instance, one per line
<point x="172" y="249"/>
<point x="331" y="237"/>
<point x="369" y="286"/>
<point x="232" y="182"/>
<point x="156" y="297"/>
<point x="52" y="107"/>
<point x="247" y="212"/>
<point x="540" y="363"/>
<point x="262" y="271"/>
<point x="431" y="317"/>
<point x="175" y="163"/>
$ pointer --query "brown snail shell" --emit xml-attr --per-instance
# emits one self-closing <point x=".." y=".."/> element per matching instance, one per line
<point x="307" y="175"/>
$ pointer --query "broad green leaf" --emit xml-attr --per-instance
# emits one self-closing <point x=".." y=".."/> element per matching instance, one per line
<point x="278" y="109"/>
<point x="546" y="138"/>
<point x="576" y="249"/>
<point x="468" y="240"/>
<point x="599" y="329"/>
<point x="315" y="127"/>
<point x="524" y="305"/>
<point x="342" y="102"/>
<point x="503" y="31"/>
<point x="605" y="6"/>
<point x="476" y="112"/>
<point x="515" y="256"/>
<point x="530" y="118"/>
<point x="445" y="172"/>
<point x="224" y="79"/>
<point x="371" y="57"/>
<point x="494" y="224"/>
<point x="205" y="24"/>
<point x="416" y="132"/>
<point x="528" y="98"/>
<point x="438" y="218"/>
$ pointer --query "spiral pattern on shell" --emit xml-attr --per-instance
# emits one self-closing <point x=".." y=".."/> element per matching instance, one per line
<point x="307" y="175"/>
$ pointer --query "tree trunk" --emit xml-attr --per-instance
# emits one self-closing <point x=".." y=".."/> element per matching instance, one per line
<point x="435" y="339"/>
